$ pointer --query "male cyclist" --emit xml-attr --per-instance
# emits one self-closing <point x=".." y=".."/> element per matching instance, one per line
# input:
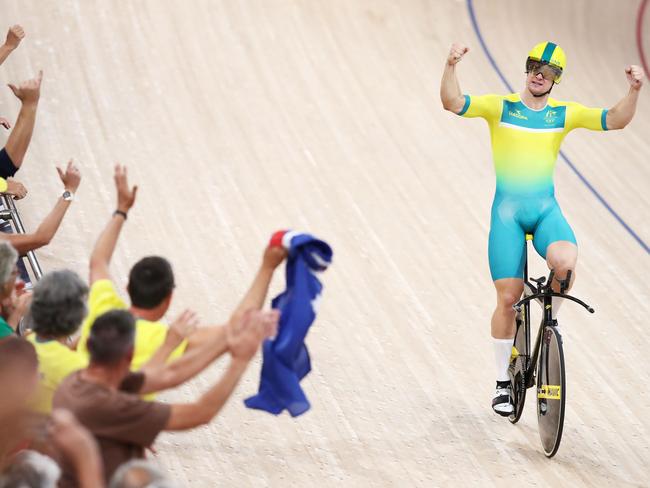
<point x="527" y="129"/>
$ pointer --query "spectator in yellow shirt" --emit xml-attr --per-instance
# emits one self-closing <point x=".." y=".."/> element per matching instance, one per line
<point x="150" y="287"/>
<point x="59" y="306"/>
<point x="57" y="309"/>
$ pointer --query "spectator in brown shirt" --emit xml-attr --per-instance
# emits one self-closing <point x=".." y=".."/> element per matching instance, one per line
<point x="23" y="432"/>
<point x="104" y="396"/>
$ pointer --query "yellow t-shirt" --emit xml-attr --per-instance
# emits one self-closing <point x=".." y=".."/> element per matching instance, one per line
<point x="149" y="336"/>
<point x="55" y="362"/>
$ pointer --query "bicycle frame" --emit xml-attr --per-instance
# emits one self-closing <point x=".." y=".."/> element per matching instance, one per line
<point x="536" y="290"/>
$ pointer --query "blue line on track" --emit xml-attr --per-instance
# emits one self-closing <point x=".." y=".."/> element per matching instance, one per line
<point x="599" y="197"/>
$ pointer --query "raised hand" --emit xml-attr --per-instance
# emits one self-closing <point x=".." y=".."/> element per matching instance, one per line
<point x="184" y="325"/>
<point x="244" y="336"/>
<point x="635" y="76"/>
<point x="125" y="195"/>
<point x="28" y="91"/>
<point x="456" y="53"/>
<point x="15" y="34"/>
<point x="71" y="177"/>
<point x="274" y="256"/>
<point x="270" y="321"/>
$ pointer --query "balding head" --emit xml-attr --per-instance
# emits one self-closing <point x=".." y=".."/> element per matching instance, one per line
<point x="139" y="474"/>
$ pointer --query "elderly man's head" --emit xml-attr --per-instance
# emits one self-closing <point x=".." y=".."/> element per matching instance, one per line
<point x="139" y="474"/>
<point x="31" y="470"/>
<point x="58" y="304"/>
<point x="8" y="269"/>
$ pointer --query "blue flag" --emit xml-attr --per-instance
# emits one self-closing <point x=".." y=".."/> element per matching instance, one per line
<point x="285" y="358"/>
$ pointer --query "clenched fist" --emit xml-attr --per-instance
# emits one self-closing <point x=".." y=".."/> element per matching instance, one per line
<point x="456" y="53"/>
<point x="14" y="36"/>
<point x="635" y="76"/>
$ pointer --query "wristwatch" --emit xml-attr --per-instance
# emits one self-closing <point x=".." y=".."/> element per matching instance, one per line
<point x="68" y="196"/>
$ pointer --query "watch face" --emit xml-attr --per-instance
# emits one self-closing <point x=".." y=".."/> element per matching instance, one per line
<point x="67" y="195"/>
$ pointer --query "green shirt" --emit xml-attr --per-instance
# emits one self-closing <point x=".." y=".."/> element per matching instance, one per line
<point x="5" y="330"/>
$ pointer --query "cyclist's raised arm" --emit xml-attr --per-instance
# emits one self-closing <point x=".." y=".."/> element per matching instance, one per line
<point x="450" y="93"/>
<point x="622" y="113"/>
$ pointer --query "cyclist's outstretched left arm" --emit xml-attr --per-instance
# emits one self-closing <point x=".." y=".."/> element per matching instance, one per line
<point x="622" y="113"/>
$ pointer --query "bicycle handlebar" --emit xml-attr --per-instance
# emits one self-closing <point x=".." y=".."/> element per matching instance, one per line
<point x="517" y="306"/>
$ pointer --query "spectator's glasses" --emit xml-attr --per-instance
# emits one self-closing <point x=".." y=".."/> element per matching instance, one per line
<point x="550" y="73"/>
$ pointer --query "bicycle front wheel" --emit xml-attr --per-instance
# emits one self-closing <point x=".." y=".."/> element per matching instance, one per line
<point x="518" y="367"/>
<point x="551" y="391"/>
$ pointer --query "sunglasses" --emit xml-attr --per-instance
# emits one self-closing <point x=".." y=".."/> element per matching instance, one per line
<point x="549" y="72"/>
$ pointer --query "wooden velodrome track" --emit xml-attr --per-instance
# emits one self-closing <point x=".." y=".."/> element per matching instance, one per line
<point x="240" y="117"/>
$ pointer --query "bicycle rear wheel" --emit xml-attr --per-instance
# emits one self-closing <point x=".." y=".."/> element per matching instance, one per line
<point x="551" y="391"/>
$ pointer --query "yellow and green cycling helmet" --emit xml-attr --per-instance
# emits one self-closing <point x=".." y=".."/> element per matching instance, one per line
<point x="547" y="54"/>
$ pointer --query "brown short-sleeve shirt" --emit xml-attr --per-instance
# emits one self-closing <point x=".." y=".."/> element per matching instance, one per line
<point x="123" y="424"/>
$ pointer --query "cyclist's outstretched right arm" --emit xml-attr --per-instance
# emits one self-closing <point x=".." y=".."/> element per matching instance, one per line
<point x="450" y="93"/>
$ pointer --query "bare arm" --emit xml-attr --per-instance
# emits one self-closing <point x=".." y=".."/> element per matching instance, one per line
<point x="192" y="415"/>
<point x="100" y="258"/>
<point x="79" y="448"/>
<point x="450" y="92"/>
<point x="256" y="294"/>
<point x="46" y="231"/>
<point x="14" y="36"/>
<point x="243" y="340"/>
<point x="161" y="376"/>
<point x="622" y="113"/>
<point x="5" y="51"/>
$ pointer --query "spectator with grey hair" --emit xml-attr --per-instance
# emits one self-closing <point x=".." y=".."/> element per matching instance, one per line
<point x="57" y="309"/>
<point x="139" y="473"/>
<point x="31" y="469"/>
<point x="11" y="307"/>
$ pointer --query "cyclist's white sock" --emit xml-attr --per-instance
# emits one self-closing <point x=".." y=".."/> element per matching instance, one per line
<point x="556" y="302"/>
<point x="502" y="353"/>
